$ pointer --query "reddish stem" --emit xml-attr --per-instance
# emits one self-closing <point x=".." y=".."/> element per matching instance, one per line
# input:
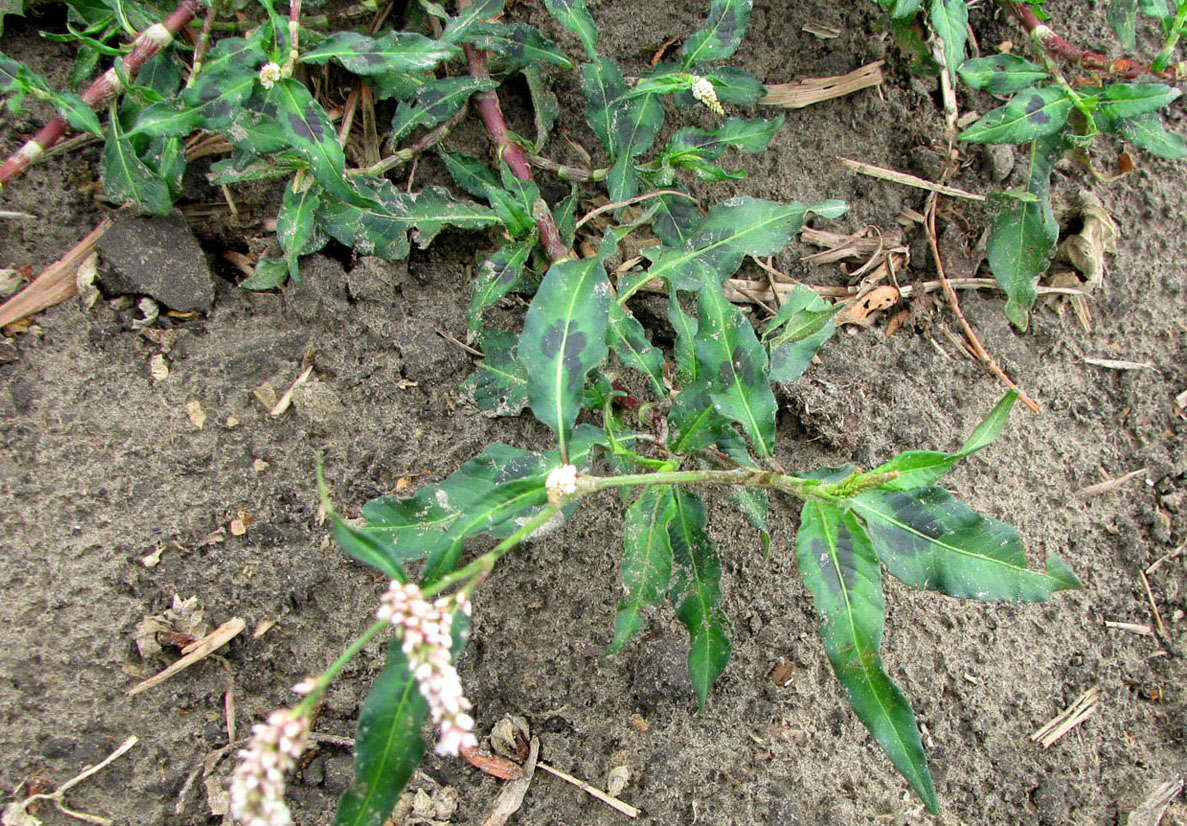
<point x="1065" y="49"/>
<point x="148" y="44"/>
<point x="487" y="104"/>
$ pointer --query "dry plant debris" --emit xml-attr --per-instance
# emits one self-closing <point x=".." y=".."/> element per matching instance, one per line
<point x="16" y="813"/>
<point x="1080" y="710"/>
<point x="196" y="652"/>
<point x="812" y="90"/>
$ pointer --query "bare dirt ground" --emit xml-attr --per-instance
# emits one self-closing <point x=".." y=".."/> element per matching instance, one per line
<point x="103" y="465"/>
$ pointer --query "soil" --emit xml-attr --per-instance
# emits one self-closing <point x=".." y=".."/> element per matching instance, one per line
<point x="103" y="465"/>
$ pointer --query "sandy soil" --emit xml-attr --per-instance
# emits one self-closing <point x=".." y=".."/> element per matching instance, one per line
<point x="102" y="465"/>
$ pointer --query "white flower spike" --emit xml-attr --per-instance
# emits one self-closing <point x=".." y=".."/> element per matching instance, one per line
<point x="704" y="91"/>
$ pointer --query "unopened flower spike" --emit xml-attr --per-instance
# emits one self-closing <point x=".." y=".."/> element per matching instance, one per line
<point x="704" y="91"/>
<point x="257" y="785"/>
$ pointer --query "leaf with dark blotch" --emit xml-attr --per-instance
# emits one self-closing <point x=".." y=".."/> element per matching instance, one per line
<point x="296" y="224"/>
<point x="1146" y="132"/>
<point x="696" y="592"/>
<point x="604" y="89"/>
<point x="745" y="134"/>
<point x="10" y="74"/>
<point x="1032" y="113"/>
<point x="950" y="21"/>
<point x="918" y="468"/>
<point x="388" y="745"/>
<point x="393" y="52"/>
<point x="646" y="560"/>
<point x="931" y="540"/>
<point x="675" y="219"/>
<point x="460" y="28"/>
<point x="802" y="324"/>
<point x="432" y="209"/>
<point x="398" y="85"/>
<point x="499" y="383"/>
<point x="1001" y="74"/>
<point x="639" y="122"/>
<point x="629" y="341"/>
<point x="517" y="45"/>
<point x="842" y="573"/>
<point x="126" y="178"/>
<point x="435" y="102"/>
<point x="693" y="421"/>
<point x="309" y="132"/>
<point x="380" y="230"/>
<point x="496" y="277"/>
<point x="575" y="17"/>
<point x="210" y="104"/>
<point x="735" y="365"/>
<point x="720" y="36"/>
<point x="1024" y="233"/>
<point x="564" y="337"/>
<point x="1127" y="100"/>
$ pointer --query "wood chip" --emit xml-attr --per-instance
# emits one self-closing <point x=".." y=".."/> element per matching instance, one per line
<point x="1080" y="710"/>
<point x="1109" y="485"/>
<point x="1119" y="364"/>
<point x="193" y="653"/>
<point x="907" y="180"/>
<point x="817" y="89"/>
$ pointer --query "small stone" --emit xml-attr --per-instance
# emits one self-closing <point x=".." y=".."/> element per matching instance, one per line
<point x="197" y="415"/>
<point x="157" y="257"/>
<point x="318" y="404"/>
<point x="259" y="465"/>
<point x="158" y="368"/>
<point x="999" y="160"/>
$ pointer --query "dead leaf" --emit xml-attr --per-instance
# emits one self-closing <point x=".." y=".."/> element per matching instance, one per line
<point x="1099" y="234"/>
<point x="197" y="415"/>
<point x="154" y="559"/>
<point x="185" y="617"/>
<point x="781" y="674"/>
<point x="266" y="395"/>
<point x="158" y="368"/>
<point x="217" y="797"/>
<point x="55" y="283"/>
<point x="262" y="628"/>
<point x="817" y="89"/>
<point x="859" y="312"/>
<point x="259" y="465"/>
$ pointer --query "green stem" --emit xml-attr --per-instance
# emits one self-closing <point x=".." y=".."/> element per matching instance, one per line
<point x="746" y="476"/>
<point x="1172" y="39"/>
<point x="306" y="706"/>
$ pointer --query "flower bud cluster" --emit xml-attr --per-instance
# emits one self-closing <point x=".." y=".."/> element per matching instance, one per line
<point x="561" y="482"/>
<point x="257" y="786"/>
<point x="427" y="632"/>
<point x="269" y="74"/>
<point x="704" y="91"/>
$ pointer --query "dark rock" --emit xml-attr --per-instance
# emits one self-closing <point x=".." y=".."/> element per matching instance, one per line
<point x="157" y="257"/>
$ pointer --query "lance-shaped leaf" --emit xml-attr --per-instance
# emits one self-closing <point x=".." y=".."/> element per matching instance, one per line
<point x="497" y="275"/>
<point x="564" y="337"/>
<point x="517" y="45"/>
<point x="688" y="367"/>
<point x="629" y="341"/>
<point x="1123" y="18"/>
<point x="929" y="539"/>
<point x="745" y="134"/>
<point x="696" y="592"/>
<point x="950" y="21"/>
<point x="459" y="29"/>
<point x="545" y="106"/>
<point x="840" y="569"/>
<point x="802" y="324"/>
<point x="917" y="468"/>
<point x="1126" y="100"/>
<point x="732" y="230"/>
<point x="1032" y="113"/>
<point x="604" y="89"/>
<point x="1146" y="132"/>
<point x="296" y="224"/>
<point x="388" y="745"/>
<point x="735" y="365"/>
<point x="751" y="501"/>
<point x="432" y="209"/>
<point x="393" y="52"/>
<point x="693" y="420"/>
<point x="1023" y="235"/>
<point x="309" y="132"/>
<point x="126" y="178"/>
<point x="675" y="219"/>
<point x="720" y="36"/>
<point x="499" y="383"/>
<point x="435" y="102"/>
<point x="646" y="560"/>
<point x="81" y="117"/>
<point x="1002" y="74"/>
<point x="575" y="17"/>
<point x="210" y="104"/>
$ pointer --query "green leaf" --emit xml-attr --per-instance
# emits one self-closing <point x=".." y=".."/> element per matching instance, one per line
<point x="76" y="113"/>
<point x="604" y="89"/>
<point x="575" y="17"/>
<point x="696" y="592"/>
<point x="1123" y="19"/>
<point x="296" y="226"/>
<point x="545" y="106"/>
<point x="1023" y="235"/>
<point x="435" y="102"/>
<point x="126" y="178"/>
<point x="675" y="219"/>
<point x="688" y="367"/>
<point x="918" y="468"/>
<point x="370" y="548"/>
<point x="393" y="52"/>
<point x="10" y="72"/>
<point x="747" y="135"/>
<point x="269" y="274"/>
<point x="388" y="745"/>
<point x="639" y="122"/>
<point x="900" y="8"/>
<point x="209" y="104"/>
<point x="497" y="275"/>
<point x="460" y="28"/>
<point x="518" y="45"/>
<point x="432" y="209"/>
<point x="720" y="36"/>
<point x="732" y="84"/>
<point x="242" y="167"/>
<point x="1146" y="132"/>
<point x="1001" y="74"/>
<point x="381" y="229"/>
<point x="564" y="337"/>
<point x="839" y="568"/>
<point x="735" y="365"/>
<point x="628" y="340"/>
<point x="693" y="421"/>
<point x="646" y="560"/>
<point x="732" y="230"/>
<point x="950" y="21"/>
<point x="1126" y="100"/>
<point x="1032" y="113"/>
<point x="803" y="323"/>
<point x="931" y="540"/>
<point x="309" y="132"/>
<point x="499" y="383"/>
<point x="1154" y="8"/>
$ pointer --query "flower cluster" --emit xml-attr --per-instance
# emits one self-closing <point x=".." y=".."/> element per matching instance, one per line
<point x="257" y="786"/>
<point x="561" y="482"/>
<point x="427" y="633"/>
<point x="704" y="91"/>
<point x="269" y="74"/>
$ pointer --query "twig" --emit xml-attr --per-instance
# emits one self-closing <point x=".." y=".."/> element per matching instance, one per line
<point x="593" y="213"/>
<point x="1131" y="627"/>
<point x="568" y="172"/>
<point x="146" y="46"/>
<point x="907" y="180"/>
<point x="613" y="802"/>
<point x="203" y="42"/>
<point x="1080" y="710"/>
<point x="287" y="399"/>
<point x="507" y="150"/>
<point x="1153" y="604"/>
<point x="1158" y="562"/>
<point x="1109" y="485"/>
<point x="193" y="653"/>
<point x="17" y="811"/>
